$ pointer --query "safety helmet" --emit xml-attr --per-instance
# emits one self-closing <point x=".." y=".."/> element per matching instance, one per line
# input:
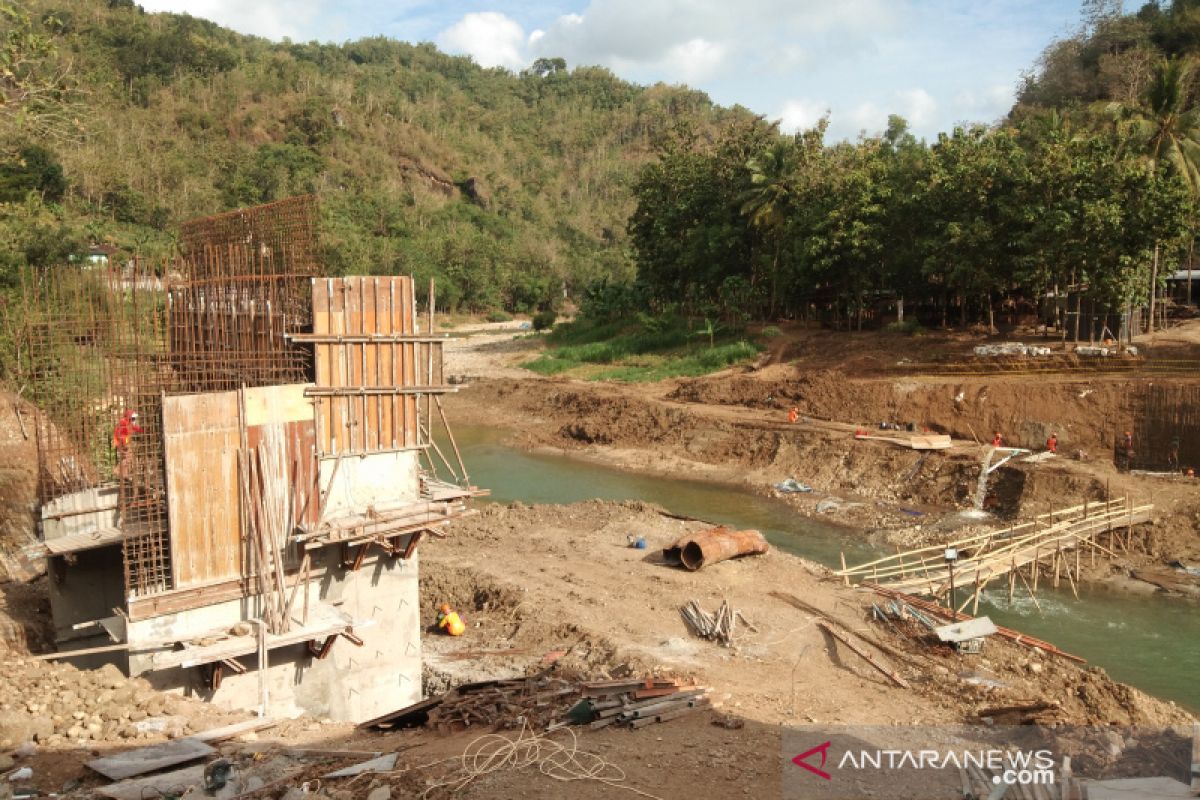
<point x="444" y="608"/>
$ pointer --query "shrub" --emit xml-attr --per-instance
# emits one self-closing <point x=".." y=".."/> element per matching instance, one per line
<point x="499" y="316"/>
<point x="544" y="320"/>
<point x="909" y="326"/>
<point x="770" y="332"/>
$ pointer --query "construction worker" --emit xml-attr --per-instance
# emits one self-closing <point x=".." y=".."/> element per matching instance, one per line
<point x="1052" y="443"/>
<point x="793" y="414"/>
<point x="997" y="440"/>
<point x="1173" y="455"/>
<point x="1127" y="449"/>
<point x="449" y="621"/>
<point x="123" y="432"/>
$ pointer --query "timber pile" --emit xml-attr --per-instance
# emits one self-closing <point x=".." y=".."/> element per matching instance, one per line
<point x="635" y="704"/>
<point x="718" y="628"/>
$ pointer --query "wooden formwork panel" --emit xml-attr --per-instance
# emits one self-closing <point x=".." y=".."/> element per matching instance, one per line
<point x="202" y="439"/>
<point x="370" y="409"/>
<point x="201" y="444"/>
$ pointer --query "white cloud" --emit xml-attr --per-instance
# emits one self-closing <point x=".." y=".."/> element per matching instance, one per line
<point x="798" y="115"/>
<point x="489" y="37"/>
<point x="699" y="37"/>
<point x="271" y="20"/>
<point x="695" y="60"/>
<point x="986" y="103"/>
<point x="917" y="106"/>
<point x="864" y="117"/>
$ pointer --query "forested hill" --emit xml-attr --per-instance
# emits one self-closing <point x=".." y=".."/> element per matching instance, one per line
<point x="118" y="124"/>
<point x="1111" y="58"/>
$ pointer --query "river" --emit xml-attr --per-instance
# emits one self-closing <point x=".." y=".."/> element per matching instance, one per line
<point x="1149" y="641"/>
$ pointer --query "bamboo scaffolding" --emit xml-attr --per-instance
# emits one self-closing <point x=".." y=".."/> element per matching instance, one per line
<point x="998" y="553"/>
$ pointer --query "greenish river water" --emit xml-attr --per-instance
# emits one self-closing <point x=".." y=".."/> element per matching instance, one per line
<point x="1151" y="642"/>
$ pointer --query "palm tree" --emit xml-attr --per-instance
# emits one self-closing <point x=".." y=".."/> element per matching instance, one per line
<point x="1164" y="128"/>
<point x="1161" y="125"/>
<point x="768" y="201"/>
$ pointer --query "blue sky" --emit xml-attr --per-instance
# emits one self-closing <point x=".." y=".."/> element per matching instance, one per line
<point x="936" y="62"/>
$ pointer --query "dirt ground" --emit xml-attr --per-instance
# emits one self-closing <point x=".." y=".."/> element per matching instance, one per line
<point x="558" y="586"/>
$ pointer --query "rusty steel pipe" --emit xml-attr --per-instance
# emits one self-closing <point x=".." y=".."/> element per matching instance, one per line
<point x="695" y="550"/>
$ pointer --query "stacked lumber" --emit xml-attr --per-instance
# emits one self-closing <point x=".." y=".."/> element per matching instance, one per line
<point x="635" y="704"/>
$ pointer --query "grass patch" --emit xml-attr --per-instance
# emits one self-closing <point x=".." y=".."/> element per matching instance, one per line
<point x="650" y="349"/>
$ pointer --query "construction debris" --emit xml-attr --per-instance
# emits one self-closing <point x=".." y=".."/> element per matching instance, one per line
<point x="718" y="627"/>
<point x="695" y="550"/>
<point x="957" y="616"/>
<point x="540" y="703"/>
<point x="635" y="704"/>
<point x="1011" y="349"/>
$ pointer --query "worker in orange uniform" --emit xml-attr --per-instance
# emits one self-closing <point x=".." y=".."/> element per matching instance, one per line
<point x="1052" y="443"/>
<point x="997" y="440"/>
<point x="793" y="414"/>
<point x="449" y="621"/>
<point x="123" y="433"/>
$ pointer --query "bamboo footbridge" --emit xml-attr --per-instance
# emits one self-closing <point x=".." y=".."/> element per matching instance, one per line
<point x="1052" y="543"/>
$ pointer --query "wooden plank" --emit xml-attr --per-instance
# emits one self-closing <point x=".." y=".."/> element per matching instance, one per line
<point x="148" y="759"/>
<point x="370" y="363"/>
<point x="156" y="785"/>
<point x="234" y="729"/>
<point x="870" y="659"/>
<point x="380" y="764"/>
<point x="383" y="326"/>
<point x="278" y="404"/>
<point x="82" y="541"/>
<point x="201" y="443"/>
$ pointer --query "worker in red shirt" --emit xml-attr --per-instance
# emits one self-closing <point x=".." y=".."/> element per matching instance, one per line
<point x="1052" y="443"/>
<point x="793" y="414"/>
<point x="123" y="433"/>
<point x="997" y="440"/>
<point x="126" y="427"/>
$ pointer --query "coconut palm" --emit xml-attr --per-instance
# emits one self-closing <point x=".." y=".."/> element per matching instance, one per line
<point x="1162" y="126"/>
<point x="769" y="201"/>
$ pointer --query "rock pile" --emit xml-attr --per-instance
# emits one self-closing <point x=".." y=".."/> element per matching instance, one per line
<point x="55" y="704"/>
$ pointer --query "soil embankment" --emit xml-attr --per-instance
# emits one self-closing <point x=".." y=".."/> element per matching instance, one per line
<point x="732" y="427"/>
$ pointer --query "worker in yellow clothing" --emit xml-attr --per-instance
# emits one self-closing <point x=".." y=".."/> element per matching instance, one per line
<point x="450" y="621"/>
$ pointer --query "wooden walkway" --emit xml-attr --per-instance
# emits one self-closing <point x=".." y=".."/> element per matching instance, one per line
<point x="1052" y="543"/>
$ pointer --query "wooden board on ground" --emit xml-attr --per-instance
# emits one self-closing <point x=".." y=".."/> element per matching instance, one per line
<point x="155" y="785"/>
<point x="148" y="759"/>
<point x="381" y="764"/>
<point x="919" y="442"/>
